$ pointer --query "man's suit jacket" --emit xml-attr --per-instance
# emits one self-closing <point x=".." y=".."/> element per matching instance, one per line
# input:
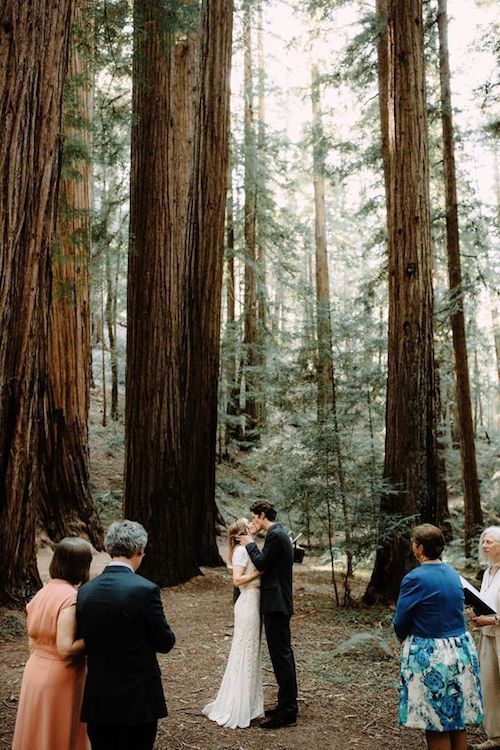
<point x="120" y="617"/>
<point x="276" y="561"/>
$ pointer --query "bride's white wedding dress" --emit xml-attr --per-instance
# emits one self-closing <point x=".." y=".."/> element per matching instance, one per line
<point x="241" y="694"/>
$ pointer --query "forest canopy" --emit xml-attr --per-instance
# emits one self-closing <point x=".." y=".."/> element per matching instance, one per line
<point x="258" y="243"/>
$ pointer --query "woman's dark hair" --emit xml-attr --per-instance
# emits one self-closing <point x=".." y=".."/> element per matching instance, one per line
<point x="71" y="560"/>
<point x="263" y="506"/>
<point x="431" y="538"/>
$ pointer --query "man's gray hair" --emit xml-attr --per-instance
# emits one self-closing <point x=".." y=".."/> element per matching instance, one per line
<point x="493" y="531"/>
<point x="125" y="538"/>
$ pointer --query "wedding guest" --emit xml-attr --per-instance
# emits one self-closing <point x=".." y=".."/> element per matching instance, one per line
<point x="489" y="643"/>
<point x="439" y="689"/>
<point x="121" y="618"/>
<point x="48" y="716"/>
<point x="241" y="694"/>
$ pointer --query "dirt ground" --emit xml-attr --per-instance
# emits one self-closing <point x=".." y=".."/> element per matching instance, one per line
<point x="347" y="691"/>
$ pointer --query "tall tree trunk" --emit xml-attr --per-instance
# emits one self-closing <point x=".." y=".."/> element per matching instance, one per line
<point x="155" y="460"/>
<point x="411" y="463"/>
<point x="326" y="399"/>
<point x="110" y="315"/>
<point x="472" y="499"/>
<point x="250" y="343"/>
<point x="204" y="263"/>
<point x="443" y="511"/>
<point x="323" y="319"/>
<point x="233" y="426"/>
<point x="478" y="403"/>
<point x="104" y="420"/>
<point x="260" y="188"/>
<point x="33" y="59"/>
<point x="66" y="506"/>
<point x="494" y="300"/>
<point x="495" y="320"/>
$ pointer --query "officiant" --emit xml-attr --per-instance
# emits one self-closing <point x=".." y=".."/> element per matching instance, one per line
<point x="489" y="644"/>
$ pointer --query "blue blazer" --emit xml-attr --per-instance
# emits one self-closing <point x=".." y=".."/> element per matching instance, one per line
<point x="120" y="617"/>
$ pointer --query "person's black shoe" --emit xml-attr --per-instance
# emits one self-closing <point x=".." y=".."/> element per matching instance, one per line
<point x="272" y="712"/>
<point x="280" y="720"/>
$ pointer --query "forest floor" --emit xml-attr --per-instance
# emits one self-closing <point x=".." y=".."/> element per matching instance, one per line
<point x="347" y="658"/>
<point x="347" y="691"/>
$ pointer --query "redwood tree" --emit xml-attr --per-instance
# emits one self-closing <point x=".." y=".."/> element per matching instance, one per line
<point x="66" y="503"/>
<point x="472" y="498"/>
<point x="204" y="263"/>
<point x="325" y="376"/>
<point x="411" y="464"/>
<point x="155" y="460"/>
<point x="34" y="43"/>
<point x="250" y="339"/>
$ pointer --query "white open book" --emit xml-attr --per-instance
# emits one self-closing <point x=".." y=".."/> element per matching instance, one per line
<point x="475" y="599"/>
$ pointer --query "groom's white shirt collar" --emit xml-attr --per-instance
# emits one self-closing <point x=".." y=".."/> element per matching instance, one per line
<point x="122" y="564"/>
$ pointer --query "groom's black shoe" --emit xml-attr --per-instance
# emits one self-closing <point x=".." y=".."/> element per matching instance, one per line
<point x="280" y="719"/>
<point x="272" y="712"/>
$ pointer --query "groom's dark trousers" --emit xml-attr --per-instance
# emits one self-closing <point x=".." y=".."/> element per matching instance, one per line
<point x="106" y="736"/>
<point x="277" y="627"/>
<point x="276" y="605"/>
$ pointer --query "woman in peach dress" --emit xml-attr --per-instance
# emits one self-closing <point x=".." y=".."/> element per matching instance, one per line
<point x="48" y="717"/>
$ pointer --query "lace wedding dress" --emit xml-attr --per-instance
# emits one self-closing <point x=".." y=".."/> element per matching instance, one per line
<point x="241" y="694"/>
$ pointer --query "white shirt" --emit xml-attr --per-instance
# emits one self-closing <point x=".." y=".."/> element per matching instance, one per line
<point x="490" y="588"/>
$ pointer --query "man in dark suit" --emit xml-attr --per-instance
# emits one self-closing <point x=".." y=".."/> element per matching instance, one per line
<point x="276" y="605"/>
<point x="120" y="617"/>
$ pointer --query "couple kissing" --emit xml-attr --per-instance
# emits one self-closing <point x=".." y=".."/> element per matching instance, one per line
<point x="264" y="580"/>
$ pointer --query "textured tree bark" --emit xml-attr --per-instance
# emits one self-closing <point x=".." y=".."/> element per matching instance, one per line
<point x="204" y="262"/>
<point x="327" y="398"/>
<point x="411" y="464"/>
<point x="260" y="223"/>
<point x="473" y="521"/>
<point x="156" y="464"/>
<point x="233" y="425"/>
<point x="495" y="321"/>
<point x="250" y="339"/>
<point x="34" y="41"/>
<point x="66" y="506"/>
<point x="324" y="368"/>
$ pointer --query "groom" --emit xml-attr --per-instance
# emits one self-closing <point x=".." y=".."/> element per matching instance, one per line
<point x="275" y="562"/>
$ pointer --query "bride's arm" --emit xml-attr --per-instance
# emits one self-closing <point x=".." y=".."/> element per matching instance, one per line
<point x="239" y="577"/>
<point x="66" y="643"/>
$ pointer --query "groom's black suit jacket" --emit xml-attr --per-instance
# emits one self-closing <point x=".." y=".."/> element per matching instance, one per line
<point x="276" y="561"/>
<point x="120" y="617"/>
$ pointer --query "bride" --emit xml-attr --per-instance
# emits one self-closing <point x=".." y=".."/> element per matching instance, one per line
<point x="241" y="694"/>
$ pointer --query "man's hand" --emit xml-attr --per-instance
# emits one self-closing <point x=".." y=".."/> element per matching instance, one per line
<point x="245" y="539"/>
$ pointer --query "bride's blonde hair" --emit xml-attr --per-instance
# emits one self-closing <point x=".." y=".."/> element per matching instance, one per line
<point x="236" y="528"/>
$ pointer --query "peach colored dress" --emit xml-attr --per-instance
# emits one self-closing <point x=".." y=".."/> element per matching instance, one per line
<point x="48" y="716"/>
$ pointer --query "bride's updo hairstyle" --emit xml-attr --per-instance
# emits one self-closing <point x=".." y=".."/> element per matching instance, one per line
<point x="236" y="528"/>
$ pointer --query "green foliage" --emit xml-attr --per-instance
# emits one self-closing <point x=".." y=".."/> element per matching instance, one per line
<point x="109" y="505"/>
<point x="11" y="625"/>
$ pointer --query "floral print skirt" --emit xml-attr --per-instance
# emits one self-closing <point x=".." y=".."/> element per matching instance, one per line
<point x="440" y="689"/>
